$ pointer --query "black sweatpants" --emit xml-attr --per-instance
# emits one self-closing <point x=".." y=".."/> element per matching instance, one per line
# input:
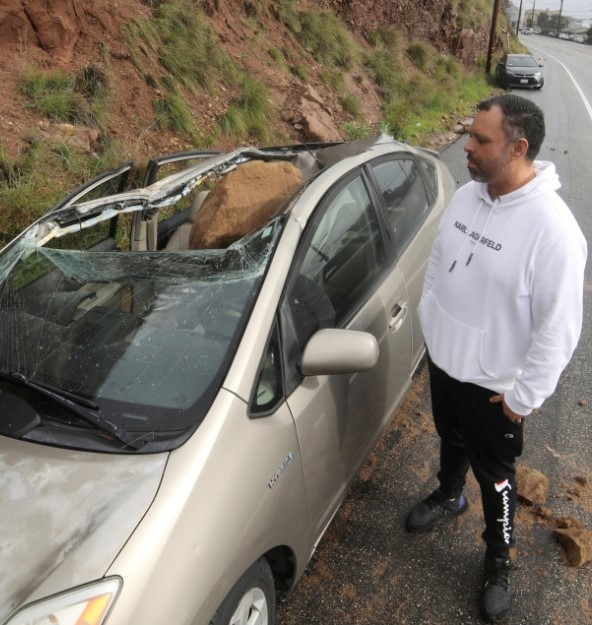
<point x="474" y="432"/>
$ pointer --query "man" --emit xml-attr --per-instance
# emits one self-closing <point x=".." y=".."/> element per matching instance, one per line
<point x="501" y="313"/>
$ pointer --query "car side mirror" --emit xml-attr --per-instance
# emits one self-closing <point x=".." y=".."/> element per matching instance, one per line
<point x="332" y="351"/>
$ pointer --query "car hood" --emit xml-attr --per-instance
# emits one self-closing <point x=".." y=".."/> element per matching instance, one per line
<point x="65" y="514"/>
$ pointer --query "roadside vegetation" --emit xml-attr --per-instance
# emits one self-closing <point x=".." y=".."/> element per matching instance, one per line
<point x="177" y="52"/>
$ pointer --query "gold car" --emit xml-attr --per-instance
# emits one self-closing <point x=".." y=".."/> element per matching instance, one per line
<point x="193" y="371"/>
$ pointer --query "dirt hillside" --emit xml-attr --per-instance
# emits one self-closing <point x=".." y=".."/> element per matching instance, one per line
<point x="71" y="35"/>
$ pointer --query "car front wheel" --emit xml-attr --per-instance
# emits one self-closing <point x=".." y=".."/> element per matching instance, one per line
<point x="252" y="599"/>
<point x="502" y="82"/>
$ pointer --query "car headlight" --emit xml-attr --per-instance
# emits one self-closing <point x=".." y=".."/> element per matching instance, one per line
<point x="538" y="75"/>
<point x="509" y="72"/>
<point x="87" y="605"/>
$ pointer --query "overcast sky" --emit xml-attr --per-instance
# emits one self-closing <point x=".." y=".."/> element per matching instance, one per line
<point x="576" y="8"/>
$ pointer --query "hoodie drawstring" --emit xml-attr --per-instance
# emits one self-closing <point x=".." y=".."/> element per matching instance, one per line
<point x="485" y="226"/>
<point x="460" y="249"/>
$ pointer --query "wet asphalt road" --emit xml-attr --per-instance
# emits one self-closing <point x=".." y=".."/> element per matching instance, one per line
<point x="368" y="570"/>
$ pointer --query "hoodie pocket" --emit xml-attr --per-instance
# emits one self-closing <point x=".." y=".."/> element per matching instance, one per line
<point x="453" y="345"/>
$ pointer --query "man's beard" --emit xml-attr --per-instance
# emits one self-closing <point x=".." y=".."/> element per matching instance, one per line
<point x="478" y="175"/>
<point x="494" y="169"/>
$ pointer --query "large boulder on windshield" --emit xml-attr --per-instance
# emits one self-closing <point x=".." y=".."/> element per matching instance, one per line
<point x="243" y="202"/>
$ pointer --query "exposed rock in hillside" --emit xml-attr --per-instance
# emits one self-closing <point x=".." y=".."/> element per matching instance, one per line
<point x="68" y="36"/>
<point x="310" y="116"/>
<point x="432" y="20"/>
<point x="60" y="34"/>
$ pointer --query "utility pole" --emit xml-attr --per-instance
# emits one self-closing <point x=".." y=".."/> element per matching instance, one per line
<point x="518" y="22"/>
<point x="492" y="36"/>
<point x="532" y="19"/>
<point x="559" y="20"/>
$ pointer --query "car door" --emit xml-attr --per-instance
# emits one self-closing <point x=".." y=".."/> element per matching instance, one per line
<point x="401" y="183"/>
<point x="342" y="278"/>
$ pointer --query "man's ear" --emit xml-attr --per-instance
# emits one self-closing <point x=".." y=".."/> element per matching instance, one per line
<point x="520" y="148"/>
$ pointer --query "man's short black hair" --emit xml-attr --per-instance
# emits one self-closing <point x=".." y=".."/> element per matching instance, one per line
<point x="522" y="119"/>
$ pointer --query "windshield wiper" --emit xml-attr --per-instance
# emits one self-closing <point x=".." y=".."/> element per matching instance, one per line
<point x="82" y="407"/>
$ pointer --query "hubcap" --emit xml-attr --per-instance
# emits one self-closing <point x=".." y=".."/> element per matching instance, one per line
<point x="252" y="609"/>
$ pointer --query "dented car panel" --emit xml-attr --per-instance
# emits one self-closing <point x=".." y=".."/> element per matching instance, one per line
<point x="163" y="427"/>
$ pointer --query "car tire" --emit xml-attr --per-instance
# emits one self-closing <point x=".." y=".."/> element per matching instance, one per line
<point x="251" y="601"/>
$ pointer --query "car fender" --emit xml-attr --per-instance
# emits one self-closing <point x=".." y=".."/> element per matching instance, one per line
<point x="208" y="523"/>
<point x="65" y="515"/>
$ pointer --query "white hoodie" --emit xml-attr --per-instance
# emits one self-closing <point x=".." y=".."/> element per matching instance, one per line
<point x="503" y="294"/>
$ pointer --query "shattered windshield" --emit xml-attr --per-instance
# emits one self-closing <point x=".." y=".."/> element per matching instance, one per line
<point x="146" y="335"/>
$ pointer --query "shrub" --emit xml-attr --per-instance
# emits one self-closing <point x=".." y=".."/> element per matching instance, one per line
<point x="350" y="104"/>
<point x="357" y="130"/>
<point x="66" y="97"/>
<point x="419" y="54"/>
<point x="250" y="113"/>
<point x="286" y="12"/>
<point x="299" y="71"/>
<point x="185" y="45"/>
<point x="384" y="66"/>
<point x="327" y="38"/>
<point x="52" y="95"/>
<point x="172" y="112"/>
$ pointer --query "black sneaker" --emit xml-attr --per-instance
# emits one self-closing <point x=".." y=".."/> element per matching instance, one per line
<point x="496" y="600"/>
<point x="433" y="509"/>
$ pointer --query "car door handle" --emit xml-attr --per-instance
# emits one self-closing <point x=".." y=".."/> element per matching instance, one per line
<point x="398" y="314"/>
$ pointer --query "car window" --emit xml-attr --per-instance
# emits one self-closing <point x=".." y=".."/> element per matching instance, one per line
<point x="163" y="166"/>
<point x="109" y="233"/>
<point x="403" y="191"/>
<point x="521" y="61"/>
<point x="183" y="210"/>
<point x="101" y="186"/>
<point x="269" y="388"/>
<point x="430" y="177"/>
<point x="340" y="263"/>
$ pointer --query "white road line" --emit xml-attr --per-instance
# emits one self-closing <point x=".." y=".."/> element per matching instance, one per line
<point x="584" y="99"/>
